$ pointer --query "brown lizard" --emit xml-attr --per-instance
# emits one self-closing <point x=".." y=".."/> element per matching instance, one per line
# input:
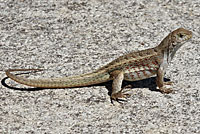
<point x="131" y="67"/>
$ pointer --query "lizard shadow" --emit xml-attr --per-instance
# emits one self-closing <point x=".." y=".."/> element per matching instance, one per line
<point x="149" y="83"/>
<point x="146" y="83"/>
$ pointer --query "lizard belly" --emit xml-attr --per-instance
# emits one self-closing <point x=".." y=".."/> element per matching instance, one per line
<point x="133" y="75"/>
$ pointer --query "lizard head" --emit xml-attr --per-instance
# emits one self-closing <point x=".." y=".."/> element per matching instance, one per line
<point x="180" y="36"/>
<point x="174" y="41"/>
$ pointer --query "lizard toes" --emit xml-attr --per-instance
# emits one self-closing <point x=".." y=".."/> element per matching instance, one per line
<point x="121" y="96"/>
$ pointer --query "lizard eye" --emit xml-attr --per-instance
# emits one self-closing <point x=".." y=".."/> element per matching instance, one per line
<point x="180" y="35"/>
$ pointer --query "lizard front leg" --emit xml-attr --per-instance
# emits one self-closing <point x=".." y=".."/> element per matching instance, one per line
<point x="160" y="81"/>
<point x="117" y="91"/>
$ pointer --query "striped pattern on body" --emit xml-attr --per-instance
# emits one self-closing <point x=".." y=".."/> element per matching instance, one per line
<point x="141" y="69"/>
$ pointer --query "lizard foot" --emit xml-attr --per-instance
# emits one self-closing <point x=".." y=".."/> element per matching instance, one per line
<point x="123" y="94"/>
<point x="165" y="90"/>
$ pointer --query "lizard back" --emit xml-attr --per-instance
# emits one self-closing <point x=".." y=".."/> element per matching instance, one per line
<point x="136" y="65"/>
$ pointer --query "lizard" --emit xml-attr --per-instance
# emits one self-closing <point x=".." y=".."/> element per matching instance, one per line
<point x="136" y="65"/>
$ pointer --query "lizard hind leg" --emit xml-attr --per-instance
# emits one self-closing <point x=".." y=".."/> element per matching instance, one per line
<point x="117" y="91"/>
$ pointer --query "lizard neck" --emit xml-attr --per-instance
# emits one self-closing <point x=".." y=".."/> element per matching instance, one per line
<point x="170" y="52"/>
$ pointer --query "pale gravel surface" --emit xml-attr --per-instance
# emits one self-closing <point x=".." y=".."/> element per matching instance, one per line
<point x="74" y="37"/>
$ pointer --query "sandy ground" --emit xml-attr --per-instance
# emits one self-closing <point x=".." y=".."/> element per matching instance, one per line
<point x="74" y="37"/>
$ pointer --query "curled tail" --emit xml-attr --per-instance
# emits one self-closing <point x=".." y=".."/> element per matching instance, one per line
<point x="71" y="81"/>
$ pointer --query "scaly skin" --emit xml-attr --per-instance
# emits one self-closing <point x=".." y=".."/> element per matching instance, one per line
<point x="131" y="67"/>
